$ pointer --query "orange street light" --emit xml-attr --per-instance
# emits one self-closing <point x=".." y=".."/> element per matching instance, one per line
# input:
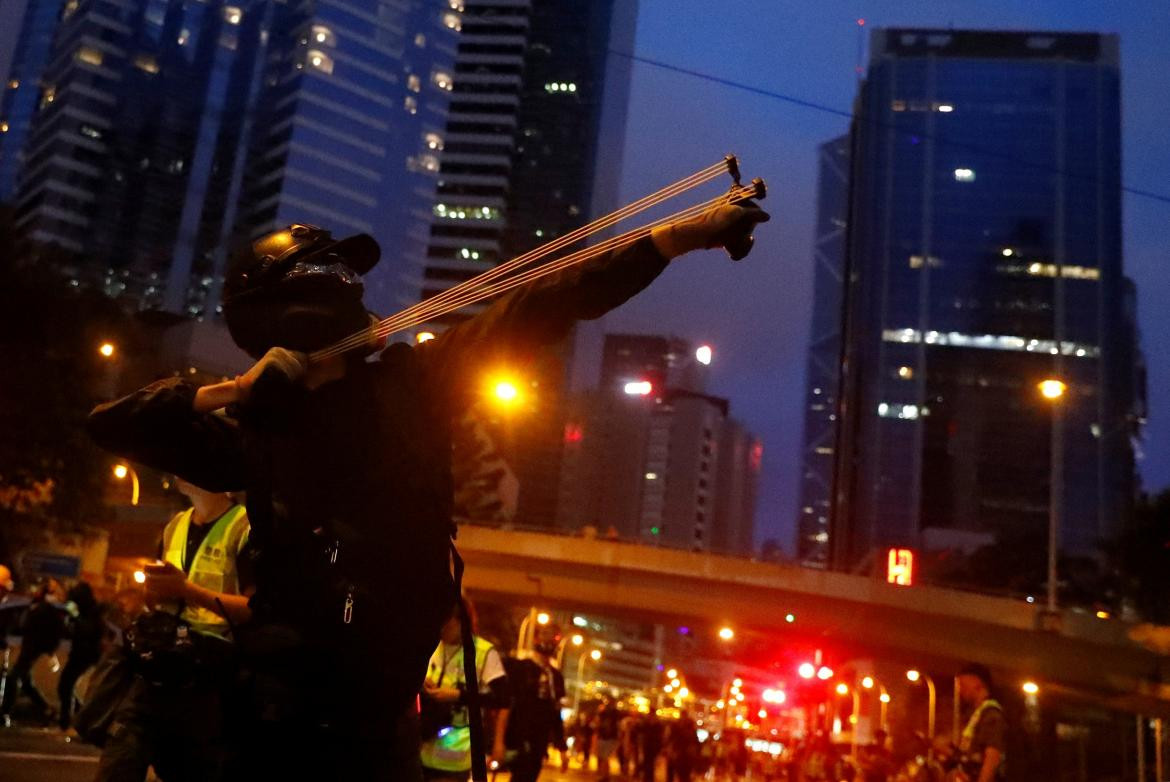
<point x="424" y="336"/>
<point x="842" y="689"/>
<point x="107" y="349"/>
<point x="867" y="682"/>
<point x="1052" y="389"/>
<point x="542" y="618"/>
<point x="726" y="633"/>
<point x="578" y="639"/>
<point x="120" y="472"/>
<point x="1031" y="688"/>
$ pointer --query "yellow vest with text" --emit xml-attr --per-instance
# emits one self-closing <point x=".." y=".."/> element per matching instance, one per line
<point x="214" y="564"/>
<point x="451" y="749"/>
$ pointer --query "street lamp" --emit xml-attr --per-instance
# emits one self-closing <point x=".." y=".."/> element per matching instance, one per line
<point x="1053" y="390"/>
<point x="595" y="656"/>
<point x="931" y="697"/>
<point x="107" y="349"/>
<point x="1031" y="688"/>
<point x="120" y="472"/>
<point x="726" y="633"/>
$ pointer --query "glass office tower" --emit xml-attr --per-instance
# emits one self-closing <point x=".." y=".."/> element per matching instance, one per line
<point x="984" y="256"/>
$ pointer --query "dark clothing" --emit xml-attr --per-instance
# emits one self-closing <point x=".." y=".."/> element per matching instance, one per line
<point x="350" y="491"/>
<point x="990" y="732"/>
<point x="42" y="629"/>
<point x="85" y="645"/>
<point x="20" y="678"/>
<point x="177" y="730"/>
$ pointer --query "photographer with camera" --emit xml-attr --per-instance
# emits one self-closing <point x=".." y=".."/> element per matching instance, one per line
<point x="171" y="716"/>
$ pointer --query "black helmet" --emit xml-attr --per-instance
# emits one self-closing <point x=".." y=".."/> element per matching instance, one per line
<point x="297" y="288"/>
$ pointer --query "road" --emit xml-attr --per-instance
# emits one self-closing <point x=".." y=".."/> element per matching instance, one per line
<point x="43" y="755"/>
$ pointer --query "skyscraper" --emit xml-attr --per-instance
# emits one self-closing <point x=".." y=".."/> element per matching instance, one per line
<point x="823" y="372"/>
<point x="147" y="138"/>
<point x="530" y="151"/>
<point x="660" y="462"/>
<point x="353" y="101"/>
<point x="983" y="256"/>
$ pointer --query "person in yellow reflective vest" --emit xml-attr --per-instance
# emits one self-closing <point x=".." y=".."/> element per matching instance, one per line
<point x="201" y="562"/>
<point x="446" y="735"/>
<point x="981" y="755"/>
<point x="177" y="726"/>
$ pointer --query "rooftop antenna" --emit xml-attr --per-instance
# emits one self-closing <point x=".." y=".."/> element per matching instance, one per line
<point x="859" y="69"/>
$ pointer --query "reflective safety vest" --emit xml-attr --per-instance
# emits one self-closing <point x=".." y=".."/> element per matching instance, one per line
<point x="214" y="564"/>
<point x="967" y="738"/>
<point x="450" y="750"/>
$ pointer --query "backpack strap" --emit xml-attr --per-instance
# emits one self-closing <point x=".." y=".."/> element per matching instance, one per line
<point x="470" y="677"/>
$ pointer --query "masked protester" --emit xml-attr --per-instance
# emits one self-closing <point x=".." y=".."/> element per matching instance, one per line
<point x="535" y="718"/>
<point x="347" y="466"/>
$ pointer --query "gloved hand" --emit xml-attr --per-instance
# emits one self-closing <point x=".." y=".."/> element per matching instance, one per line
<point x="277" y="369"/>
<point x="723" y="225"/>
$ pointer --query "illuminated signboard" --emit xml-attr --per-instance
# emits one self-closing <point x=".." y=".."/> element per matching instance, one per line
<point x="900" y="566"/>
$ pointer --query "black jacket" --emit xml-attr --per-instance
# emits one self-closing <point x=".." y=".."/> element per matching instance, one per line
<point x="349" y="487"/>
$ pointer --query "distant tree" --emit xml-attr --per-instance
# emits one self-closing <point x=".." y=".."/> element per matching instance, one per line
<point x="51" y="476"/>
<point x="485" y="486"/>
<point x="1142" y="557"/>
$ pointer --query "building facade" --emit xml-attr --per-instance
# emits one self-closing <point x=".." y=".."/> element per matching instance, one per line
<point x="656" y="463"/>
<point x="530" y="151"/>
<point x="147" y="139"/>
<point x="984" y="256"/>
<point x="823" y="371"/>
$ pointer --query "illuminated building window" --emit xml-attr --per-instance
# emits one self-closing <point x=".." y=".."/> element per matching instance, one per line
<point x="904" y="412"/>
<point x="3" y="127"/>
<point x="90" y="131"/>
<point x="897" y="105"/>
<point x="452" y="22"/>
<point x="462" y="212"/>
<point x="48" y="96"/>
<point x="990" y="342"/>
<point x="13" y="84"/>
<point x="429" y="163"/>
<point x="89" y="55"/>
<point x="322" y="35"/>
<point x="560" y="86"/>
<point x="320" y="60"/>
<point x="68" y="10"/>
<point x="433" y="141"/>
<point x="455" y="5"/>
<point x="916" y="262"/>
<point x="468" y="254"/>
<point x="146" y="63"/>
<point x="413" y="83"/>
<point x="442" y="80"/>
<point x="964" y="175"/>
<point x="410" y="103"/>
<point x="420" y="40"/>
<point x="906" y="373"/>
<point x="945" y="108"/>
<point x="232" y="14"/>
<point x="184" y="36"/>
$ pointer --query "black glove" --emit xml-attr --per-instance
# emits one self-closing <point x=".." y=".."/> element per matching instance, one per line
<point x="723" y="225"/>
<point x="267" y="388"/>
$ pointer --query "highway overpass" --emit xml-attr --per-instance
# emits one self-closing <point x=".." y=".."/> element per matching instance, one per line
<point x="1086" y="657"/>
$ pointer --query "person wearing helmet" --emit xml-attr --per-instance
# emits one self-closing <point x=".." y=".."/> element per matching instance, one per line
<point x="347" y="467"/>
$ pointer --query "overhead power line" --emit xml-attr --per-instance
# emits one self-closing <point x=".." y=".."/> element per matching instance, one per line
<point x="826" y="109"/>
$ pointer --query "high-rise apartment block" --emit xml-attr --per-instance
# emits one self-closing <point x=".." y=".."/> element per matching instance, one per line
<point x="660" y="463"/>
<point x="146" y="138"/>
<point x="530" y="152"/>
<point x="983" y="256"/>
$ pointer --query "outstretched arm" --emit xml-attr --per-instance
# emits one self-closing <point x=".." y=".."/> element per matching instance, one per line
<point x="541" y="313"/>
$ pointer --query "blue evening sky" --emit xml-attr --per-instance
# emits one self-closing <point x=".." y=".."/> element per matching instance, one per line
<point x="756" y="313"/>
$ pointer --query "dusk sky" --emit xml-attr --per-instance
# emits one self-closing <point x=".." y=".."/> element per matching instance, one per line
<point x="756" y="313"/>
